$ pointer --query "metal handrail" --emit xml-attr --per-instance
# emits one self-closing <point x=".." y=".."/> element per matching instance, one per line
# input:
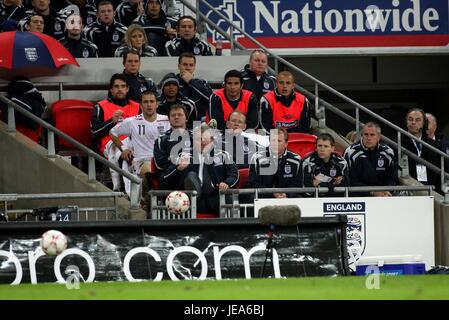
<point x="236" y="205"/>
<point x="317" y="190"/>
<point x="154" y="207"/>
<point x="5" y="198"/>
<point x="325" y="86"/>
<point x="98" y="85"/>
<point x="135" y="180"/>
<point x="73" y="195"/>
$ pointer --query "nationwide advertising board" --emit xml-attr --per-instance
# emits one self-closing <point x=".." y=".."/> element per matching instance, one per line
<point x="174" y="250"/>
<point x="329" y="26"/>
<point x="392" y="226"/>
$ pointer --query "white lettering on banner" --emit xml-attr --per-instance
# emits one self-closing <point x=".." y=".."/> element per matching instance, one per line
<point x="290" y="25"/>
<point x="375" y="18"/>
<point x="411" y="19"/>
<point x="131" y="254"/>
<point x="349" y="14"/>
<point x="415" y="12"/>
<point x="318" y="17"/>
<point x="12" y="258"/>
<point x="193" y="250"/>
<point x="396" y="17"/>
<point x="246" y="255"/>
<point x="338" y="21"/>
<point x="272" y="20"/>
<point x="430" y="15"/>
<point x="67" y="252"/>
<point x="32" y="258"/>
<point x="338" y="207"/>
<point x="305" y="12"/>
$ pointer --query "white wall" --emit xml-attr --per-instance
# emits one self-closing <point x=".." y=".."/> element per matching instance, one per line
<point x="96" y="71"/>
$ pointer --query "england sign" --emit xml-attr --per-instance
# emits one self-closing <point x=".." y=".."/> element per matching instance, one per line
<point x="382" y="226"/>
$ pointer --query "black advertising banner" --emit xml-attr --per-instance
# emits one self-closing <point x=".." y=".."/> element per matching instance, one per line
<point x="176" y="250"/>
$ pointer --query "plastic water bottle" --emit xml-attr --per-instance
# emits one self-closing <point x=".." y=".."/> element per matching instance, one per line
<point x="218" y="47"/>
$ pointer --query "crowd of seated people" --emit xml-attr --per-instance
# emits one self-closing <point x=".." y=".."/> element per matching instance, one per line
<point x="104" y="28"/>
<point x="245" y="125"/>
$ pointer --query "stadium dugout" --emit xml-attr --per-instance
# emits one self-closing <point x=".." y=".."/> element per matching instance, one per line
<point x="91" y="83"/>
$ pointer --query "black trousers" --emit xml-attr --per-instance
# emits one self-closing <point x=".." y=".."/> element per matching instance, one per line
<point x="207" y="201"/>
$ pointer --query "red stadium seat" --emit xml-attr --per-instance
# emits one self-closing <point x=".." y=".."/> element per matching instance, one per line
<point x="301" y="143"/>
<point x="32" y="134"/>
<point x="73" y="117"/>
<point x="70" y="103"/>
<point x="307" y="154"/>
<point x="243" y="178"/>
<point x="206" y="215"/>
<point x="336" y="151"/>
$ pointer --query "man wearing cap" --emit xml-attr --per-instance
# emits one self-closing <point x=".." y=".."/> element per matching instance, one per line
<point x="187" y="41"/>
<point x="78" y="46"/>
<point x="106" y="33"/>
<point x="171" y="94"/>
<point x="136" y="81"/>
<point x="159" y="27"/>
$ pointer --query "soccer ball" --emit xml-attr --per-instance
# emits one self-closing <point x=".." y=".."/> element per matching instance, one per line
<point x="53" y="242"/>
<point x="177" y="202"/>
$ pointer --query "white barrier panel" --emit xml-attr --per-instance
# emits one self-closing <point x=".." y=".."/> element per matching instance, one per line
<point x="376" y="226"/>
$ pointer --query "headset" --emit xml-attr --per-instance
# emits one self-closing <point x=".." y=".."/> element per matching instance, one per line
<point x="425" y="120"/>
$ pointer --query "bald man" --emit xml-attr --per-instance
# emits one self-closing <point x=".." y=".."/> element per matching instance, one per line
<point x="442" y="142"/>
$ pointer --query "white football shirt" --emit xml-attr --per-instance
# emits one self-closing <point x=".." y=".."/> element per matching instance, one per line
<point x="142" y="134"/>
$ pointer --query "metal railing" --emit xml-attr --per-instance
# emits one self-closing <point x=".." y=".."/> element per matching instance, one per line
<point x="92" y="156"/>
<point x="231" y="203"/>
<point x="158" y="210"/>
<point x="232" y="210"/>
<point x="60" y="87"/>
<point x="40" y="214"/>
<point x="320" y="104"/>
